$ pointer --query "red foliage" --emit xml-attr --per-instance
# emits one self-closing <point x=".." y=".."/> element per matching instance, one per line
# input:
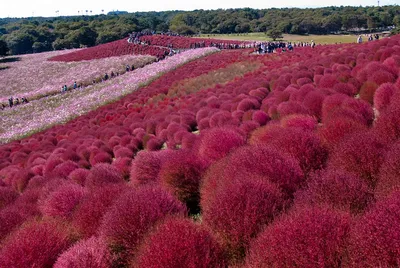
<point x="7" y="196"/>
<point x="88" y="215"/>
<point x="103" y="174"/>
<point x="116" y="48"/>
<point x="63" y="201"/>
<point x="181" y="174"/>
<point x="79" y="176"/>
<point x="252" y="198"/>
<point x="304" y="146"/>
<point x="180" y="243"/>
<point x="336" y="189"/>
<point x="388" y="181"/>
<point x="375" y="238"/>
<point x="304" y="122"/>
<point x="367" y="91"/>
<point x="133" y="214"/>
<point x="296" y="240"/>
<point x="86" y="253"/>
<point x="383" y="96"/>
<point x="35" y="245"/>
<point x="279" y="168"/>
<point x="360" y="154"/>
<point x="145" y="167"/>
<point x="216" y="143"/>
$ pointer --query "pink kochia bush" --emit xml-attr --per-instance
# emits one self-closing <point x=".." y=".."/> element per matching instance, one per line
<point x="361" y="154"/>
<point x="103" y="174"/>
<point x="180" y="243"/>
<point x="145" y="167"/>
<point x="375" y="238"/>
<point x="308" y="238"/>
<point x="304" y="146"/>
<point x="86" y="253"/>
<point x="336" y="189"/>
<point x="63" y="201"/>
<point x="218" y="142"/>
<point x="133" y="214"/>
<point x="389" y="173"/>
<point x="36" y="244"/>
<point x="89" y="214"/>
<point x="181" y="174"/>
<point x="268" y="162"/>
<point x="239" y="209"/>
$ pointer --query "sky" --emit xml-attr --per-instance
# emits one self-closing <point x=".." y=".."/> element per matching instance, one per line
<point x="48" y="8"/>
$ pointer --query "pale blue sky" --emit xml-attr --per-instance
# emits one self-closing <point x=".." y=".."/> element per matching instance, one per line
<point x="28" y="8"/>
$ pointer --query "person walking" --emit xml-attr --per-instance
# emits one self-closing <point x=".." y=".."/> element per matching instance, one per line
<point x="359" y="39"/>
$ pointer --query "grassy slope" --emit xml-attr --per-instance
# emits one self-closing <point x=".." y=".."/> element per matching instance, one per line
<point x="319" y="39"/>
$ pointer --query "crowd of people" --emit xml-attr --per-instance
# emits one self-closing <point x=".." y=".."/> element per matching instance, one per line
<point x="370" y="38"/>
<point x="14" y="102"/>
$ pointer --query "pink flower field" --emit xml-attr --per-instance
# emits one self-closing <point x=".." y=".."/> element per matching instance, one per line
<point x="34" y="77"/>
<point x="211" y="158"/>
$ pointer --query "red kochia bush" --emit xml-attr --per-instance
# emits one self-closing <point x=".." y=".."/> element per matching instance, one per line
<point x="84" y="254"/>
<point x="180" y="174"/>
<point x="180" y="243"/>
<point x="360" y="154"/>
<point x="216" y="143"/>
<point x="88" y="215"/>
<point x="79" y="176"/>
<point x="7" y="196"/>
<point x="337" y="189"/>
<point x="103" y="174"/>
<point x="251" y="198"/>
<point x="131" y="216"/>
<point x="388" y="124"/>
<point x="267" y="162"/>
<point x="389" y="173"/>
<point x="375" y="238"/>
<point x="63" y="201"/>
<point x="304" y="122"/>
<point x="304" y="146"/>
<point x="145" y="167"/>
<point x="383" y="96"/>
<point x="36" y="244"/>
<point x="307" y="238"/>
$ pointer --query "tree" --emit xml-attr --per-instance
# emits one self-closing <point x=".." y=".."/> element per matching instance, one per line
<point x="274" y="34"/>
<point x="3" y="48"/>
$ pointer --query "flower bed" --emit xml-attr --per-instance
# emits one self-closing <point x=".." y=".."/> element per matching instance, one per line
<point x="34" y="77"/>
<point x="112" y="49"/>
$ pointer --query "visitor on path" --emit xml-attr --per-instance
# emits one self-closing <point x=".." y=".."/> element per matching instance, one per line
<point x="75" y="85"/>
<point x="312" y="44"/>
<point x="11" y="102"/>
<point x="24" y="100"/>
<point x="128" y="68"/>
<point x="16" y="101"/>
<point x="106" y="77"/>
<point x="133" y="68"/>
<point x="359" y="39"/>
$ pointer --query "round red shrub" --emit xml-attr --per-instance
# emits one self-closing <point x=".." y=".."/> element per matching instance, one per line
<point x="380" y="77"/>
<point x="86" y="253"/>
<point x="63" y="201"/>
<point x="181" y="174"/>
<point x="88" y="215"/>
<point x="360" y="154"/>
<point x="79" y="176"/>
<point x="304" y="146"/>
<point x="267" y="162"/>
<point x="389" y="173"/>
<point x="290" y="107"/>
<point x="383" y="96"/>
<point x="103" y="174"/>
<point x="10" y="218"/>
<point x="367" y="91"/>
<point x="296" y="241"/>
<point x="260" y="117"/>
<point x="145" y="167"/>
<point x="123" y="165"/>
<point x="100" y="157"/>
<point x="388" y="124"/>
<point x="7" y="196"/>
<point x="35" y="245"/>
<point x="251" y="198"/>
<point x="133" y="214"/>
<point x="64" y="169"/>
<point x="304" y="122"/>
<point x="180" y="243"/>
<point x="336" y="189"/>
<point x="216" y="143"/>
<point x="375" y="238"/>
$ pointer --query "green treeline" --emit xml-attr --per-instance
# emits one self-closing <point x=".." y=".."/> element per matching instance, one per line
<point x="38" y="34"/>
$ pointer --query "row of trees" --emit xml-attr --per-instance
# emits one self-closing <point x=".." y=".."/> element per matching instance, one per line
<point x="42" y="34"/>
